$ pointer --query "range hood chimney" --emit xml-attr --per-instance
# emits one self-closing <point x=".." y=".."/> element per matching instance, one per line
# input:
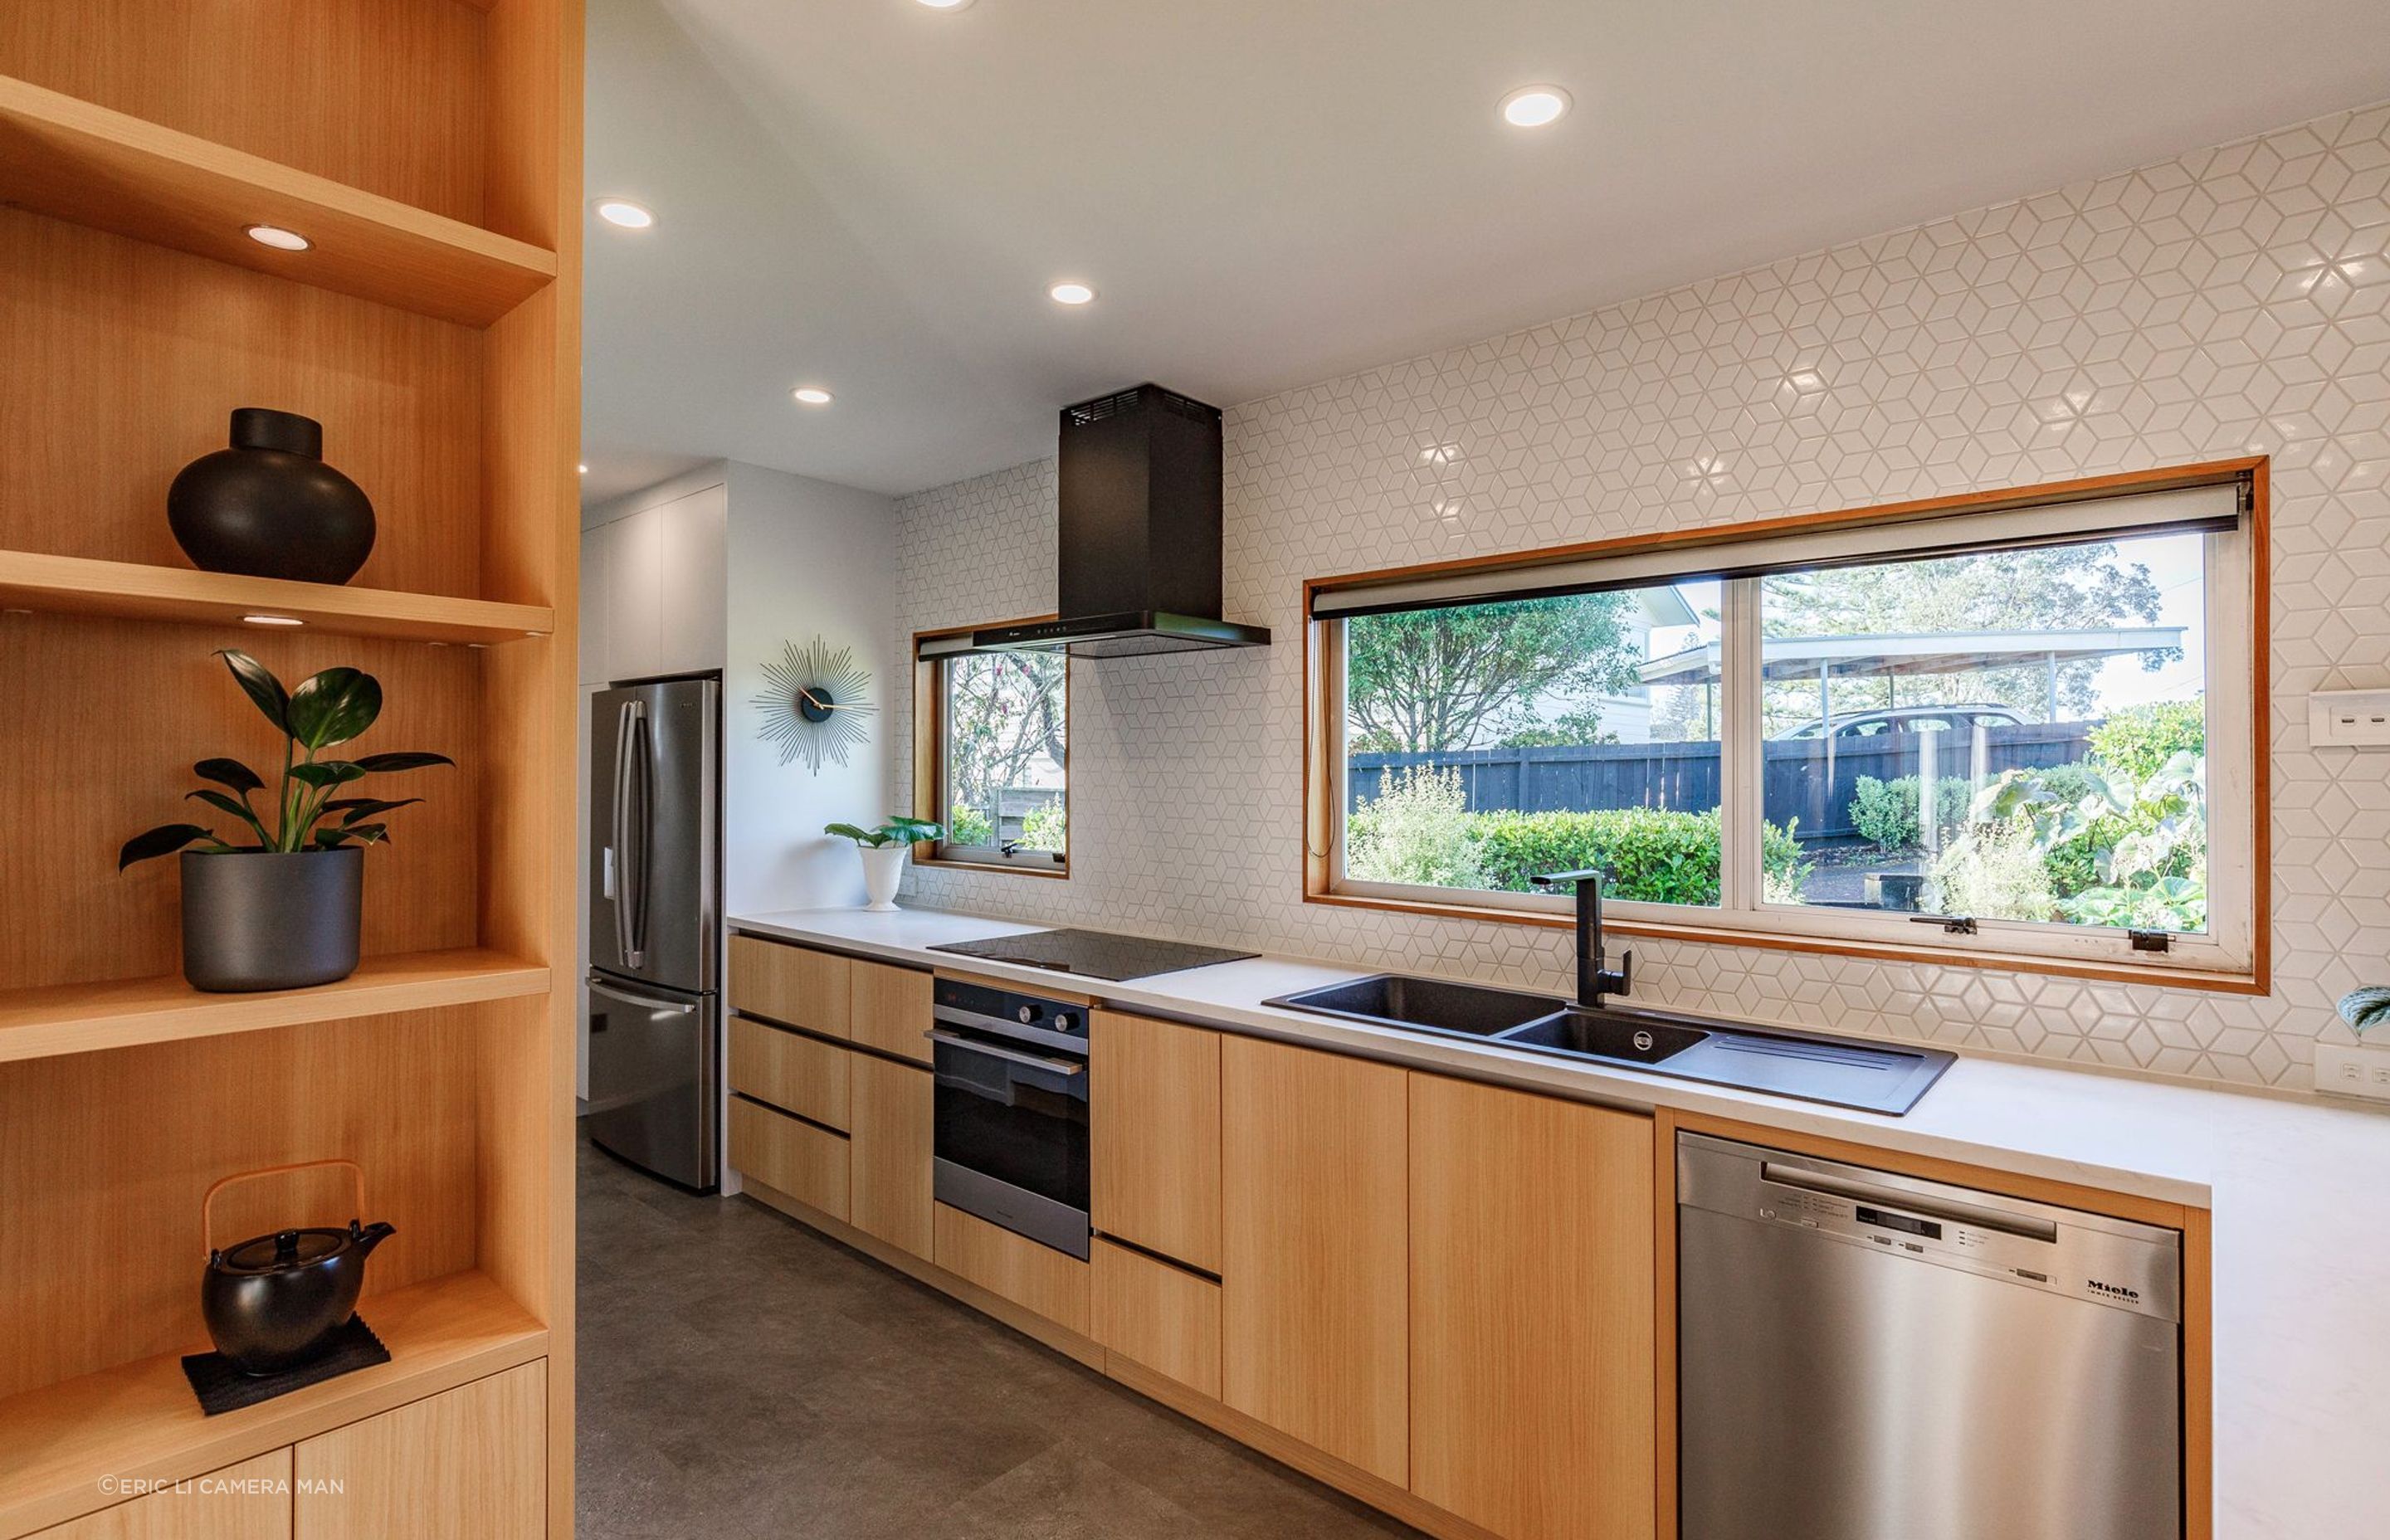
<point x="1139" y="474"/>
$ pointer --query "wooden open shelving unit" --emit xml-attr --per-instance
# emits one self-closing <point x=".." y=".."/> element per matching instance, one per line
<point x="429" y="150"/>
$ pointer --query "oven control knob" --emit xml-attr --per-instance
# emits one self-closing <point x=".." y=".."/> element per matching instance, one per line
<point x="1062" y="1021"/>
<point x="1027" y="1016"/>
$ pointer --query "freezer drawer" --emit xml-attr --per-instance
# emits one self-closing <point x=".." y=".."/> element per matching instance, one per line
<point x="654" y="1079"/>
<point x="1868" y="1358"/>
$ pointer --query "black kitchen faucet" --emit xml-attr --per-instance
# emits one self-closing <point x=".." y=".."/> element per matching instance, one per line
<point x="1593" y="980"/>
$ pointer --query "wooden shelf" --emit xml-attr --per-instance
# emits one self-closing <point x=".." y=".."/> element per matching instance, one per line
<point x="79" y="585"/>
<point x="140" y="1422"/>
<point x="67" y="1019"/>
<point x="66" y="158"/>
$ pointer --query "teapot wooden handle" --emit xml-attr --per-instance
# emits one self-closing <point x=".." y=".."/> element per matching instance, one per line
<point x="208" y="1203"/>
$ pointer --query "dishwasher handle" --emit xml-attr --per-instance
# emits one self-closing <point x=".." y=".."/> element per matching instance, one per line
<point x="1893" y="1197"/>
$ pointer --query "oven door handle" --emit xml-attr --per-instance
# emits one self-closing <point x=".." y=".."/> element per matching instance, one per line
<point x="972" y="1044"/>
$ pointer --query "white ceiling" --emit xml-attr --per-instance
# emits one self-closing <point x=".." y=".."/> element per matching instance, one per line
<point x="873" y="196"/>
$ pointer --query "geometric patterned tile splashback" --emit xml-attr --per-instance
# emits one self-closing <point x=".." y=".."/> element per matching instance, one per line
<point x="2232" y="301"/>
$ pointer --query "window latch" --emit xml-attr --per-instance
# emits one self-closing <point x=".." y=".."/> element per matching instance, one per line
<point x="2150" y="940"/>
<point x="1957" y="925"/>
<point x="1009" y="846"/>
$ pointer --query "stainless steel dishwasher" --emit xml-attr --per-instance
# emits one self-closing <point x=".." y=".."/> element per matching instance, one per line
<point x="1864" y="1357"/>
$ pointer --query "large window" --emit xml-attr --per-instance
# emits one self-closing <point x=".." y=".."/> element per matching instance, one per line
<point x="2021" y="731"/>
<point x="1000" y="756"/>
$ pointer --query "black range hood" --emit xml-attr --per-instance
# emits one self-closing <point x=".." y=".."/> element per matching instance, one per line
<point x="1138" y="492"/>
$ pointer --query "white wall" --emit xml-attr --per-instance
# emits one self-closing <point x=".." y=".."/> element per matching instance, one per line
<point x="807" y="559"/>
<point x="2228" y="302"/>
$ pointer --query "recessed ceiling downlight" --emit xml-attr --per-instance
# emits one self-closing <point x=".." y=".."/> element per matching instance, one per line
<point x="1070" y="293"/>
<point x="278" y="237"/>
<point x="1533" y="105"/>
<point x="946" y="5"/>
<point x="273" y="619"/>
<point x="623" y="212"/>
<point x="812" y="395"/>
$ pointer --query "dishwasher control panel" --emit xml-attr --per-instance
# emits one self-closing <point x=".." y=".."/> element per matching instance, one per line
<point x="2111" y="1262"/>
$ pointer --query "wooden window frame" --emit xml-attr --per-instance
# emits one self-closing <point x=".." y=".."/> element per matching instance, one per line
<point x="1755" y="926"/>
<point x="929" y="757"/>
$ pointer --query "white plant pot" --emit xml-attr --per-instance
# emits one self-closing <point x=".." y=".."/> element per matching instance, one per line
<point x="884" y="868"/>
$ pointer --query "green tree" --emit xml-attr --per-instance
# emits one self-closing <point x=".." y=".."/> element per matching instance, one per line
<point x="1425" y="681"/>
<point x="1005" y="715"/>
<point x="2053" y="587"/>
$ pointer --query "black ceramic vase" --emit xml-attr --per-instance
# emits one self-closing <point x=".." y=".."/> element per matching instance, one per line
<point x="269" y="507"/>
<point x="268" y="919"/>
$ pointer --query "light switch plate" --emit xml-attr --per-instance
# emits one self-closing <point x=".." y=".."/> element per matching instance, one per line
<point x="2349" y="719"/>
<point x="2346" y="1071"/>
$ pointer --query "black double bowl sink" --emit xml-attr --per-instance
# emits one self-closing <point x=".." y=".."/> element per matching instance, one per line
<point x="1872" y="1077"/>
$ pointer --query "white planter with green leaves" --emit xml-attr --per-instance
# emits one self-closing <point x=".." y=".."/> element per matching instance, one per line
<point x="884" y="850"/>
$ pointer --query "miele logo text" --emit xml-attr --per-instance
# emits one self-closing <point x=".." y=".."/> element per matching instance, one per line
<point x="2115" y="1290"/>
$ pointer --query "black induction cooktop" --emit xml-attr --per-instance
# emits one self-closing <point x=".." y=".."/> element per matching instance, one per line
<point x="1093" y="954"/>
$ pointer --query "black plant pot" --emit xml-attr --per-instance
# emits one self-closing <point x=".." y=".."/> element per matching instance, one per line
<point x="262" y="920"/>
<point x="269" y="507"/>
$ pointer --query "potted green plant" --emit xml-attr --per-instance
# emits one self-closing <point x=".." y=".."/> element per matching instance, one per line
<point x="884" y="850"/>
<point x="278" y="905"/>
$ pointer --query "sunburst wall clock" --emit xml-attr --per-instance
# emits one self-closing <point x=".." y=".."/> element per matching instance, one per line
<point x="817" y="705"/>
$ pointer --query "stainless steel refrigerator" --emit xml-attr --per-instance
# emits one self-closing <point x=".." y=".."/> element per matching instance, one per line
<point x="655" y="1014"/>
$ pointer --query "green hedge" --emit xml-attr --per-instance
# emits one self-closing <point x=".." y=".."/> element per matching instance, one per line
<point x="1655" y="856"/>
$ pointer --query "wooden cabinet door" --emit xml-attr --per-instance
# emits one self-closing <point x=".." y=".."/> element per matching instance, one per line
<point x="466" y="1464"/>
<point x="810" y="1165"/>
<point x="1532" y="1368"/>
<point x="891" y="1108"/>
<point x="891" y="1011"/>
<point x="1154" y="1135"/>
<point x="1314" y="1240"/>
<point x="1153" y="1314"/>
<point x="249" y="1501"/>
<point x="802" y="1074"/>
<point x="793" y="985"/>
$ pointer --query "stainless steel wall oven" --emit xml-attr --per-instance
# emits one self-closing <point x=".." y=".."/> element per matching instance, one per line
<point x="1011" y="1139"/>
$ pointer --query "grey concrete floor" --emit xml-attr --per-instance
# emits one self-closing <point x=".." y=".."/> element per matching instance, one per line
<point x="742" y="1376"/>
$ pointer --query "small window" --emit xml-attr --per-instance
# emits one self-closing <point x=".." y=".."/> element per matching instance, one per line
<point x="2022" y="731"/>
<point x="1000" y="758"/>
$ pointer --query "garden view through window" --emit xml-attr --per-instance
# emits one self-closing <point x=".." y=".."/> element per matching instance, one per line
<point x="1003" y="726"/>
<point x="2018" y="736"/>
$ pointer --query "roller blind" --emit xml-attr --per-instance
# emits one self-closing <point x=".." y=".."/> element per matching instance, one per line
<point x="2177" y="510"/>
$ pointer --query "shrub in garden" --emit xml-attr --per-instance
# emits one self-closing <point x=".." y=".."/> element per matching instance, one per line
<point x="2139" y="740"/>
<point x="968" y="826"/>
<point x="1417" y="831"/>
<point x="1655" y="855"/>
<point x="1885" y="812"/>
<point x="1045" y="827"/>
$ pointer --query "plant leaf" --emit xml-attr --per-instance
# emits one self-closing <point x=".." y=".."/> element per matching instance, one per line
<point x="164" y="839"/>
<point x="223" y="803"/>
<point x="334" y="706"/>
<point x="325" y="772"/>
<point x="229" y="771"/>
<point x="361" y="808"/>
<point x="375" y="765"/>
<point x="371" y="834"/>
<point x="2368" y="1006"/>
<point x="258" y="683"/>
<point x="849" y="832"/>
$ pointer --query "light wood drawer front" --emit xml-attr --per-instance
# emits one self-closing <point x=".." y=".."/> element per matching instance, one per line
<point x="803" y="1074"/>
<point x="466" y="1464"/>
<point x="808" y="1163"/>
<point x="794" y="984"/>
<point x="1038" y="1278"/>
<point x="893" y="1106"/>
<point x="1155" y="1136"/>
<point x="891" y="1011"/>
<point x="1161" y="1317"/>
<point x="249" y="1501"/>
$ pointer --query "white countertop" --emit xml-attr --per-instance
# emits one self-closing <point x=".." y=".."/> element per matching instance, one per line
<point x="2299" y="1191"/>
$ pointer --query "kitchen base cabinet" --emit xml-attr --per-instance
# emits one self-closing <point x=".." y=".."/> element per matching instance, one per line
<point x="249" y="1501"/>
<point x="463" y="1465"/>
<point x="806" y="1163"/>
<point x="1154" y="1135"/>
<point x="1315" y="1257"/>
<point x="1160" y="1316"/>
<point x="889" y="1009"/>
<point x="892" y="1109"/>
<point x="1532" y="1311"/>
<point x="1038" y="1278"/>
<point x="792" y="985"/>
<point x="788" y="1069"/>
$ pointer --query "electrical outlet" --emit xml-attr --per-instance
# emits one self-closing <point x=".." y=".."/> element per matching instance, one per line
<point x="2346" y="1071"/>
<point x="2348" y="719"/>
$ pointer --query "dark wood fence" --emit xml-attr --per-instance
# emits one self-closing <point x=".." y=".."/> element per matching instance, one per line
<point x="1799" y="776"/>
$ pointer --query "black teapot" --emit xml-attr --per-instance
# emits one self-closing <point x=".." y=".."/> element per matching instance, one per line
<point x="273" y="1302"/>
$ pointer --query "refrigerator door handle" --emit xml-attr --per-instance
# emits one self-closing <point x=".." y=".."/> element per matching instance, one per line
<point x="621" y="869"/>
<point x="645" y="1002"/>
<point x="643" y="737"/>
